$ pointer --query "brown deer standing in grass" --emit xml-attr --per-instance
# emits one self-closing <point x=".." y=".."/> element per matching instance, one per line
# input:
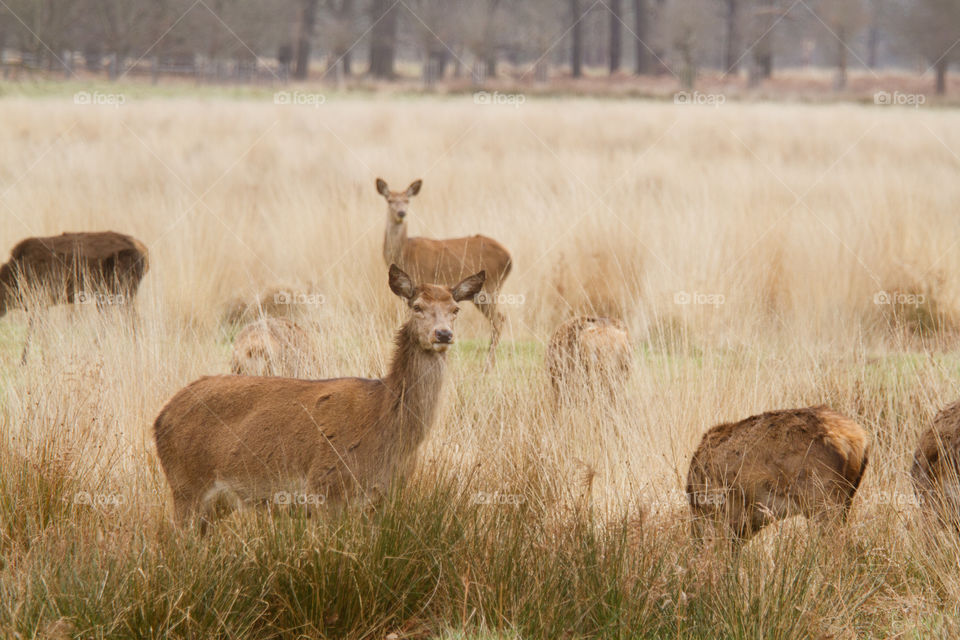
<point x="587" y="354"/>
<point x="747" y="474"/>
<point x="271" y="347"/>
<point x="251" y="438"/>
<point x="936" y="467"/>
<point x="102" y="267"/>
<point x="445" y="261"/>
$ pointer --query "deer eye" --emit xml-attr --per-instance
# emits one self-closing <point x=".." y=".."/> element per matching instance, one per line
<point x="418" y="308"/>
<point x="456" y="310"/>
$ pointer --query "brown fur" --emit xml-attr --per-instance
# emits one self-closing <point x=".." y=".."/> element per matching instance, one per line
<point x="748" y="474"/>
<point x="445" y="261"/>
<point x="58" y="268"/>
<point x="250" y="437"/>
<point x="271" y="347"/>
<point x="936" y="467"/>
<point x="588" y="351"/>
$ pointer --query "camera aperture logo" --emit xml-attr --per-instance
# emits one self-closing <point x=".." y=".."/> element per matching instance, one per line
<point x="299" y="99"/>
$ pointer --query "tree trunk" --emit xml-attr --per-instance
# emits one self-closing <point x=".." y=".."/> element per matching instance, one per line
<point x="841" y="81"/>
<point x="616" y="29"/>
<point x="383" y="38"/>
<point x="346" y="17"/>
<point x="731" y="39"/>
<point x="763" y="51"/>
<point x="942" y="65"/>
<point x="576" y="60"/>
<point x="308" y="17"/>
<point x="641" y="27"/>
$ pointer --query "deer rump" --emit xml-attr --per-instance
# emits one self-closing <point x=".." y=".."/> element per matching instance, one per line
<point x="776" y="465"/>
<point x="71" y="263"/>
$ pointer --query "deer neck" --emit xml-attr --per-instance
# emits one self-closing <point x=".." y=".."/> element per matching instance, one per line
<point x="415" y="382"/>
<point x="393" y="241"/>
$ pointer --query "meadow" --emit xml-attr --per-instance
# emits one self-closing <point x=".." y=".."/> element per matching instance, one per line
<point x="763" y="256"/>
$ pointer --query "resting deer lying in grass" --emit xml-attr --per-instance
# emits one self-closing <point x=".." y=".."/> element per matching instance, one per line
<point x="101" y="267"/>
<point x="445" y="261"/>
<point x="747" y="474"/>
<point x="252" y="438"/>
<point x="587" y="354"/>
<point x="271" y="347"/>
<point x="936" y="467"/>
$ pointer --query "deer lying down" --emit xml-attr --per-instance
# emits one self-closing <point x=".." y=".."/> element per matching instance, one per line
<point x="588" y="352"/>
<point x="102" y="267"/>
<point x="271" y="347"/>
<point x="936" y="467"/>
<point x="446" y="261"/>
<point x="254" y="438"/>
<point x="747" y="474"/>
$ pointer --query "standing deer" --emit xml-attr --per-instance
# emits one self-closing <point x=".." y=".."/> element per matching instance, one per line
<point x="936" y="467"/>
<point x="589" y="354"/>
<point x="445" y="261"/>
<point x="252" y="438"/>
<point x="103" y="267"/>
<point x="748" y="474"/>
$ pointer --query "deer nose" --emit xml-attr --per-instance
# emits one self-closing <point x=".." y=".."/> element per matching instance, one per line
<point x="401" y="214"/>
<point x="444" y="336"/>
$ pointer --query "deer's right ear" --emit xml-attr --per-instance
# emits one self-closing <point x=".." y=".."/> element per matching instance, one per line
<point x="382" y="188"/>
<point x="400" y="282"/>
<point x="414" y="188"/>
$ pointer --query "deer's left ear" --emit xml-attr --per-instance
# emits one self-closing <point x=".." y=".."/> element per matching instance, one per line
<point x="469" y="287"/>
<point x="414" y="188"/>
<point x="400" y="282"/>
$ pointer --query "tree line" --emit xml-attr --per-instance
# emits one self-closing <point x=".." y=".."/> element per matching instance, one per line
<point x="477" y="38"/>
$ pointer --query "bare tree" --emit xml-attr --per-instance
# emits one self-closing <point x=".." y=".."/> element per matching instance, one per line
<point x="576" y="50"/>
<point x="308" y="17"/>
<point x="933" y="28"/>
<point x="383" y="38"/>
<point x="616" y="31"/>
<point x="731" y="37"/>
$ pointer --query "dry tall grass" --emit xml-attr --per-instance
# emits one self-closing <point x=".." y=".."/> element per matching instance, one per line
<point x="747" y="248"/>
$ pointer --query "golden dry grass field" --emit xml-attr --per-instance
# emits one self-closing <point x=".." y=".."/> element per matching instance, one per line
<point x="763" y="256"/>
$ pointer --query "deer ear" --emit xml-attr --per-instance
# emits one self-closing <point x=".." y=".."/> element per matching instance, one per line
<point x="382" y="188"/>
<point x="469" y="287"/>
<point x="400" y="282"/>
<point x="414" y="188"/>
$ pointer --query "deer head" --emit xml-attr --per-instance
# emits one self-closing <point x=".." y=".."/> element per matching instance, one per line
<point x="433" y="307"/>
<point x="397" y="201"/>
